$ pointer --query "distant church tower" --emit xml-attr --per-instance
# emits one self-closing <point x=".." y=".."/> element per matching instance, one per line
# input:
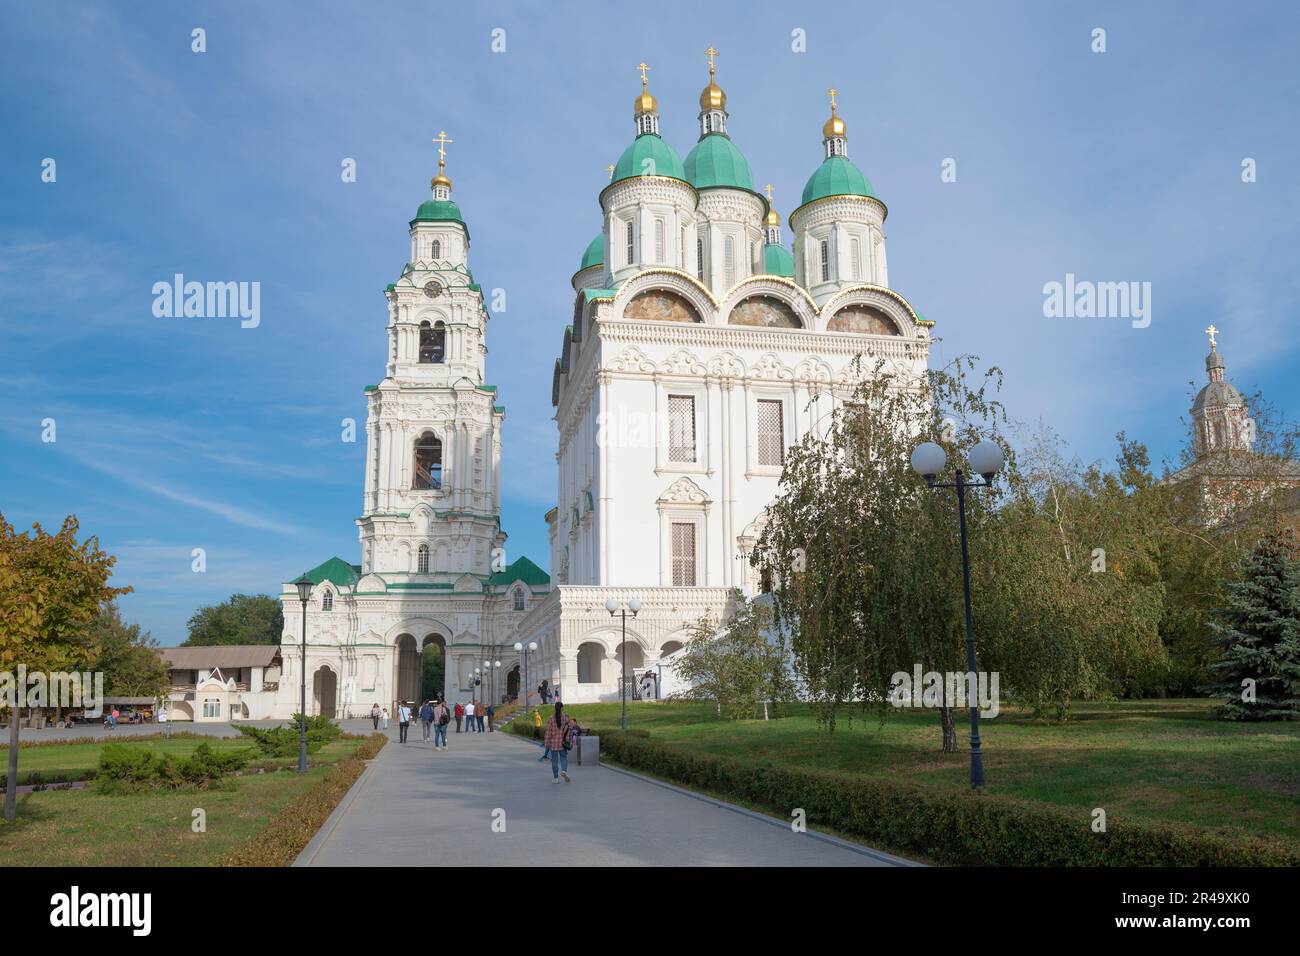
<point x="1220" y="422"/>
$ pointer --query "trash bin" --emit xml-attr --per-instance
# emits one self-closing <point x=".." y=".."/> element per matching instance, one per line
<point x="588" y="750"/>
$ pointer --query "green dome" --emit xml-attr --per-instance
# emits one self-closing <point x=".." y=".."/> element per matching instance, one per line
<point x="595" y="254"/>
<point x="438" y="210"/>
<point x="777" y="261"/>
<point x="648" y="156"/>
<point x="836" y="176"/>
<point x="714" y="162"/>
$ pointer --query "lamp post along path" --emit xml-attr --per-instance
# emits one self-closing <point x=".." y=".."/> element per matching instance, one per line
<point x="303" y="584"/>
<point x="985" y="459"/>
<point x="613" y="606"/>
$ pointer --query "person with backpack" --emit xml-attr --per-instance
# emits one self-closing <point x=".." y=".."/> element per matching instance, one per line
<point x="441" y="718"/>
<point x="559" y="740"/>
<point x="426" y="718"/>
<point x="460" y="712"/>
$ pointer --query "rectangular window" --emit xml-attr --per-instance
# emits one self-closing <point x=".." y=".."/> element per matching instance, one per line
<point x="683" y="554"/>
<point x="826" y="260"/>
<point x="771" y="432"/>
<point x="211" y="708"/>
<point x="681" y="428"/>
<point x="681" y="251"/>
<point x="699" y="259"/>
<point x="659" y="240"/>
<point x="855" y="250"/>
<point x="631" y="243"/>
<point x="729" y="261"/>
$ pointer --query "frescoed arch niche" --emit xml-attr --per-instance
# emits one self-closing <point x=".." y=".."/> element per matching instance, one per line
<point x="765" y="311"/>
<point x="862" y="319"/>
<point x="660" y="305"/>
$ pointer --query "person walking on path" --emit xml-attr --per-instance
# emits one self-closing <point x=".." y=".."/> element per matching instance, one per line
<point x="426" y="718"/>
<point x="441" y="718"/>
<point x="460" y="712"/>
<point x="469" y="717"/>
<point x="559" y="738"/>
<point x="479" y="712"/>
<point x="491" y="712"/>
<point x="403" y="721"/>
<point x="537" y="723"/>
<point x="385" y="718"/>
<point x="374" y="714"/>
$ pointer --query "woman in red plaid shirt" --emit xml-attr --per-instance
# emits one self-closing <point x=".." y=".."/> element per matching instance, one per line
<point x="559" y="738"/>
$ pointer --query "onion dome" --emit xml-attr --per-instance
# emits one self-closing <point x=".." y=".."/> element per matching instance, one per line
<point x="836" y="176"/>
<point x="595" y="254"/>
<point x="777" y="261"/>
<point x="715" y="162"/>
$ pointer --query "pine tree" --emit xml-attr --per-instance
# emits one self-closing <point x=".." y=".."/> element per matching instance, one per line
<point x="1259" y="673"/>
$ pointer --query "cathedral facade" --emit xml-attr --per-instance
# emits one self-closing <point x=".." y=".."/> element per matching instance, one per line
<point x="700" y="348"/>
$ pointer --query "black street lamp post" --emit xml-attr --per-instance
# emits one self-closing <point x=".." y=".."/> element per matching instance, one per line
<point x="613" y="607"/>
<point x="985" y="459"/>
<point x="303" y="584"/>
<point x="522" y="649"/>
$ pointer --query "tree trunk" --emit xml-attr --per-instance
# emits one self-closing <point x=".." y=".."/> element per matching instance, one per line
<point x="11" y="782"/>
<point x="949" y="730"/>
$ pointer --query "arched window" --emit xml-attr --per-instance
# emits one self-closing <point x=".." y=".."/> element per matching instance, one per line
<point x="729" y="261"/>
<point x="826" y="259"/>
<point x="327" y="601"/>
<point x="659" y="240"/>
<point x="631" y="243"/>
<point x="433" y="343"/>
<point x="855" y="254"/>
<point x="519" y="599"/>
<point x="422" y="559"/>
<point x="428" y="462"/>
<point x="437" y="249"/>
<point x="699" y="259"/>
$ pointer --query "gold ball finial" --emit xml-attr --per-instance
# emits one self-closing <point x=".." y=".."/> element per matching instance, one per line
<point x="713" y="97"/>
<point x="834" y="127"/>
<point x="645" y="103"/>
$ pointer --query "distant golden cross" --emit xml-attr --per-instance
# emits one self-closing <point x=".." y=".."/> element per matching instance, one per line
<point x="711" y="53"/>
<point x="643" y="68"/>
<point x="768" y="187"/>
<point x="832" y="91"/>
<point x="442" y="139"/>
<point x="1212" y="332"/>
<point x="610" y="167"/>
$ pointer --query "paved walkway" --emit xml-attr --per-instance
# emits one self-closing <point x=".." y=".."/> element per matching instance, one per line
<point x="415" y="806"/>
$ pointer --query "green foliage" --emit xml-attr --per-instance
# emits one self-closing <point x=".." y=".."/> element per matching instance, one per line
<point x="241" y="619"/>
<point x="953" y="827"/>
<point x="1260" y="636"/>
<point x="292" y="828"/>
<point x="127" y="656"/>
<point x="433" y="669"/>
<point x="284" y="740"/>
<point x="741" y="665"/>
<point x="128" y="768"/>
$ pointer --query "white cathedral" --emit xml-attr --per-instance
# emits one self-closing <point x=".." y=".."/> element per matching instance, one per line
<point x="699" y="350"/>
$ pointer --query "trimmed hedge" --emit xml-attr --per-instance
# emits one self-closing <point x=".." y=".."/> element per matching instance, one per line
<point x="292" y="828"/>
<point x="959" y="827"/>
<point x="123" y="769"/>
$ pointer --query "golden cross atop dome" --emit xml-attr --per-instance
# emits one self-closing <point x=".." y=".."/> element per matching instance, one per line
<point x="644" y="69"/>
<point x="442" y="139"/>
<point x="833" y="92"/>
<point x="1212" y="332"/>
<point x="610" y="168"/>
<point x="711" y="53"/>
<point x="768" y="189"/>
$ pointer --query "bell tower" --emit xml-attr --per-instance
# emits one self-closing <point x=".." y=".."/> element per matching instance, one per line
<point x="431" y="506"/>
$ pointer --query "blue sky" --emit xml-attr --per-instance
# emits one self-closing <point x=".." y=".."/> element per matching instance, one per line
<point x="174" y="434"/>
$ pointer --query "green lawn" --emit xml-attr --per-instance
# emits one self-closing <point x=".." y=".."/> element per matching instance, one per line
<point x="1139" y="760"/>
<point x="88" y="828"/>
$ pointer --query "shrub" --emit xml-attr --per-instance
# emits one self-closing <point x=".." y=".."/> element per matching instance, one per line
<point x="124" y="768"/>
<point x="950" y="826"/>
<point x="284" y="741"/>
<point x="292" y="828"/>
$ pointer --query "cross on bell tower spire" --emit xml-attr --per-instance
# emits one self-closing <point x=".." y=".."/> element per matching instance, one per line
<point x="441" y="184"/>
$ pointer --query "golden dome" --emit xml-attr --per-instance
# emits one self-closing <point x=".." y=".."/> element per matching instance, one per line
<point x="440" y="180"/>
<point x="645" y="103"/>
<point x="713" y="98"/>
<point x="773" y="218"/>
<point x="834" y="127"/>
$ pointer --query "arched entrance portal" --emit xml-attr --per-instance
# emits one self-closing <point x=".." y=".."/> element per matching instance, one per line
<point x="324" y="691"/>
<point x="433" y="667"/>
<point x="408" y="668"/>
<point x="512" y="682"/>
